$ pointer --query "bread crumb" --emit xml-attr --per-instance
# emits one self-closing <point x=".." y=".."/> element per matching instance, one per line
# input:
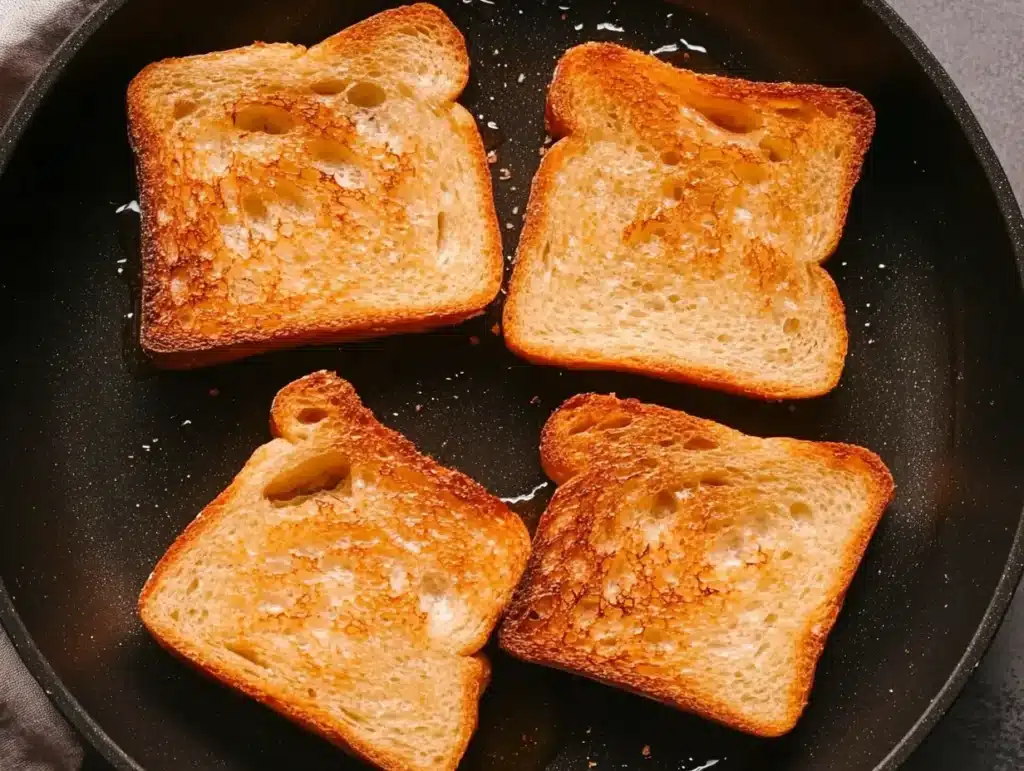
<point x="214" y="392"/>
<point x="646" y="751"/>
<point x="536" y="400"/>
<point x="509" y="225"/>
<point x="591" y="764"/>
<point x="492" y="156"/>
<point x="474" y="340"/>
<point x="496" y="329"/>
<point x="504" y="173"/>
<point x="186" y="423"/>
<point x="418" y="407"/>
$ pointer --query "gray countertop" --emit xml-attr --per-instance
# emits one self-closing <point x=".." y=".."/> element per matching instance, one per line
<point x="980" y="44"/>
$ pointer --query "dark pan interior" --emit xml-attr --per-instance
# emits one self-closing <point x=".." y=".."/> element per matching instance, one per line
<point x="105" y="462"/>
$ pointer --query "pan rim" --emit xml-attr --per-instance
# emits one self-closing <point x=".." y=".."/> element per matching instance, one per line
<point x="1012" y="216"/>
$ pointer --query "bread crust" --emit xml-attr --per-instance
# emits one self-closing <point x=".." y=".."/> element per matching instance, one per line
<point x="172" y="345"/>
<point x="621" y="69"/>
<point x="327" y="392"/>
<point x="588" y="447"/>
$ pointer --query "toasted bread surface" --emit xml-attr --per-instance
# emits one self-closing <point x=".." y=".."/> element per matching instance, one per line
<point x="690" y="563"/>
<point x="677" y="227"/>
<point x="346" y="581"/>
<point x="294" y="195"/>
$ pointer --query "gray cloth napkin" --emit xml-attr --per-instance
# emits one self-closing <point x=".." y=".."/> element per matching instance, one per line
<point x="33" y="736"/>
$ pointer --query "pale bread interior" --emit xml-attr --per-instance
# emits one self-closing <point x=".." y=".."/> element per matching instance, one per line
<point x="698" y="567"/>
<point x="346" y="581"/>
<point x="677" y="229"/>
<point x="337" y="189"/>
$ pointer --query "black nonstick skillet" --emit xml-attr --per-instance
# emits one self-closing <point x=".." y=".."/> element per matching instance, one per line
<point x="105" y="461"/>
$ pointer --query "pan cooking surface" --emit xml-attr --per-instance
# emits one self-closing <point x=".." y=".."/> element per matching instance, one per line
<point x="105" y="461"/>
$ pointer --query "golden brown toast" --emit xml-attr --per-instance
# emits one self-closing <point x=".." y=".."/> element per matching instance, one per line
<point x="346" y="581"/>
<point x="691" y="563"/>
<point x="677" y="227"/>
<point x="293" y="196"/>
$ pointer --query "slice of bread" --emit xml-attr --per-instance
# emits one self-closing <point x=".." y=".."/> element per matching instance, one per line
<point x="346" y="581"/>
<point x="677" y="227"/>
<point x="293" y="196"/>
<point x="690" y="563"/>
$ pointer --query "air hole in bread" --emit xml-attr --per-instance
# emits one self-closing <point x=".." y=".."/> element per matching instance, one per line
<point x="837" y="151"/>
<point x="791" y="326"/>
<point x="405" y="91"/>
<point x="442" y="230"/>
<point x="329" y="86"/>
<point x="533" y="615"/>
<point x="671" y="158"/>
<point x="329" y="472"/>
<point x="803" y="111"/>
<point x="771" y="618"/>
<point x="184" y="107"/>
<point x="787" y="554"/>
<point x="723" y="338"/>
<point x="265" y="118"/>
<point x="777" y="148"/>
<point x="582" y="425"/>
<point x="331" y="152"/>
<point x="253" y="205"/>
<point x="434" y="584"/>
<point x="353" y="717"/>
<point x="366" y="94"/>
<point x="193" y="585"/>
<point x="714" y="480"/>
<point x="800" y="510"/>
<point x="311" y="415"/>
<point x="699" y="443"/>
<point x="674" y="298"/>
<point x="665" y="504"/>
<point x="667" y="443"/>
<point x="734" y="117"/>
<point x="311" y="693"/>
<point x="615" y="421"/>
<point x="246" y="652"/>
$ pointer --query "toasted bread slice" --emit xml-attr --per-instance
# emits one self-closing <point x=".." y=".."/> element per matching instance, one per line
<point x="677" y="228"/>
<point x="294" y="196"/>
<point x="346" y="581"/>
<point x="690" y="563"/>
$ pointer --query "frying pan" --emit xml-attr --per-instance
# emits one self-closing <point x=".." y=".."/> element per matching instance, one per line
<point x="105" y="461"/>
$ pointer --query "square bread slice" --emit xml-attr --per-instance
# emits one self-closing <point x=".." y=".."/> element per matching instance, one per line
<point x="346" y="581"/>
<point x="677" y="227"/>
<point x="690" y="563"/>
<point x="296" y="196"/>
